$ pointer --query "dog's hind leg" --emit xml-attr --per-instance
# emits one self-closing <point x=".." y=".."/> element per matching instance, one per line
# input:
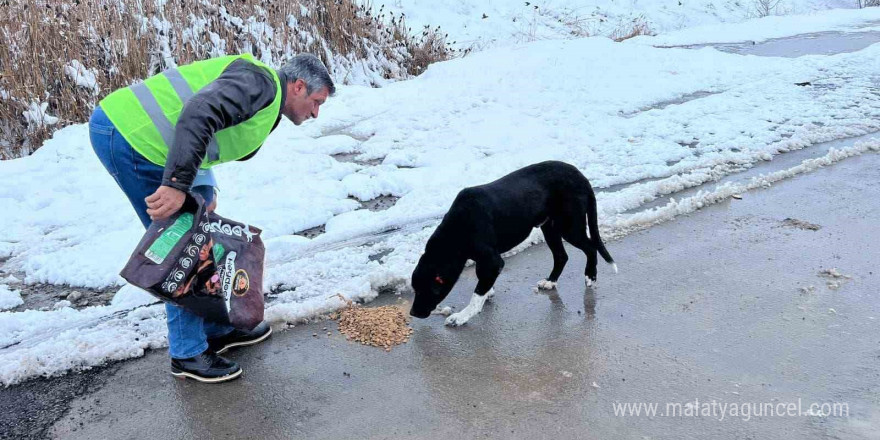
<point x="574" y="231"/>
<point x="554" y="242"/>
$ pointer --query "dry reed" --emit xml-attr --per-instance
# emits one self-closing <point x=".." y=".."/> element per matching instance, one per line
<point x="121" y="43"/>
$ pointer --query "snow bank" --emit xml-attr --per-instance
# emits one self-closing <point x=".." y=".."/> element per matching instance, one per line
<point x="64" y="339"/>
<point x="622" y="224"/>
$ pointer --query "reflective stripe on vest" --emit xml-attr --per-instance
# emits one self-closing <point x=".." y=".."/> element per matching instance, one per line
<point x="145" y="96"/>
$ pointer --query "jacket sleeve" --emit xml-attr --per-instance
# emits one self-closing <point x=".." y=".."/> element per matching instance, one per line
<point x="242" y="90"/>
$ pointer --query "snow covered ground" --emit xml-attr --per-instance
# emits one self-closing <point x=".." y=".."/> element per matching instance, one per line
<point x="641" y="122"/>
<point x="489" y="23"/>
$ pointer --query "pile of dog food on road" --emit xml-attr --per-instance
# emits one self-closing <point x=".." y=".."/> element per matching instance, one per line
<point x="382" y="327"/>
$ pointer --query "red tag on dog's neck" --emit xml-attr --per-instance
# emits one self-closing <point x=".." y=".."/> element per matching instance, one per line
<point x="438" y="279"/>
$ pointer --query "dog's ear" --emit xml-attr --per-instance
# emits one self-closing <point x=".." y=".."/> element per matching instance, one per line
<point x="439" y="279"/>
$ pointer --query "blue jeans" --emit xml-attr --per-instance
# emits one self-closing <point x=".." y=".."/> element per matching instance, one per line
<point x="138" y="178"/>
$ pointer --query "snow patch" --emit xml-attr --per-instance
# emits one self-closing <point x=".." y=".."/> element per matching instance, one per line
<point x="83" y="77"/>
<point x="9" y="298"/>
<point x="37" y="116"/>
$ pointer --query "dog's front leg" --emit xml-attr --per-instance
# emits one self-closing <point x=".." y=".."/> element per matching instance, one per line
<point x="489" y="265"/>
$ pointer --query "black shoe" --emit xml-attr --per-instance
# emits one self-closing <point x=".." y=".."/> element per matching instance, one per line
<point x="206" y="367"/>
<point x="240" y="338"/>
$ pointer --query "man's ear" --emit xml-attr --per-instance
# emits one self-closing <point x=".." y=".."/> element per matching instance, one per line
<point x="299" y="86"/>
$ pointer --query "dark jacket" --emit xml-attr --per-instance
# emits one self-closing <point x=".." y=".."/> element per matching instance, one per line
<point x="242" y="90"/>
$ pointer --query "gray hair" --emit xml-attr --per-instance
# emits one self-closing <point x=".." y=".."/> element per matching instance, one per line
<point x="311" y="70"/>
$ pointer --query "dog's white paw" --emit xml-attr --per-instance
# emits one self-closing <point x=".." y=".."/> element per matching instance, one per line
<point x="457" y="319"/>
<point x="490" y="295"/>
<point x="546" y="285"/>
<point x="473" y="309"/>
<point x="588" y="281"/>
<point x="614" y="266"/>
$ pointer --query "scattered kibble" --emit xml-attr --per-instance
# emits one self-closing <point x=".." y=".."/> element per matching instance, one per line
<point x="382" y="327"/>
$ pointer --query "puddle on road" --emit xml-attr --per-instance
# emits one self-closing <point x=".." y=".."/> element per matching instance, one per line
<point x="820" y="43"/>
<point x="823" y="43"/>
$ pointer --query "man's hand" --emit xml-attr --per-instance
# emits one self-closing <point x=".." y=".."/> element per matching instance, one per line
<point x="164" y="202"/>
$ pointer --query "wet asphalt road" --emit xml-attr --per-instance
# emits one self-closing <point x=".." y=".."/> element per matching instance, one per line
<point x="707" y="307"/>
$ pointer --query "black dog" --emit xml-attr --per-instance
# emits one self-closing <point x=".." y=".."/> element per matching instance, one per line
<point x="487" y="220"/>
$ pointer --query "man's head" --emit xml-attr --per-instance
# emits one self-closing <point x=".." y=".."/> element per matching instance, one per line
<point x="308" y="86"/>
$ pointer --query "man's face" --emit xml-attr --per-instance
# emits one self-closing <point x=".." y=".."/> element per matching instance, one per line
<point x="299" y="105"/>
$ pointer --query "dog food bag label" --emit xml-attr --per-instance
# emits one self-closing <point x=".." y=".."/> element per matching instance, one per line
<point x="207" y="264"/>
<point x="239" y="269"/>
<point x="169" y="238"/>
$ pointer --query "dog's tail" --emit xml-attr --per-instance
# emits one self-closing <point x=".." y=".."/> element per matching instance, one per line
<point x="593" y="225"/>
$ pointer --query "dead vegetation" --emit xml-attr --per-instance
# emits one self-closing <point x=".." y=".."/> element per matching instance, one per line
<point x="59" y="57"/>
<point x="765" y="8"/>
<point x="577" y="23"/>
<point x="638" y="26"/>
